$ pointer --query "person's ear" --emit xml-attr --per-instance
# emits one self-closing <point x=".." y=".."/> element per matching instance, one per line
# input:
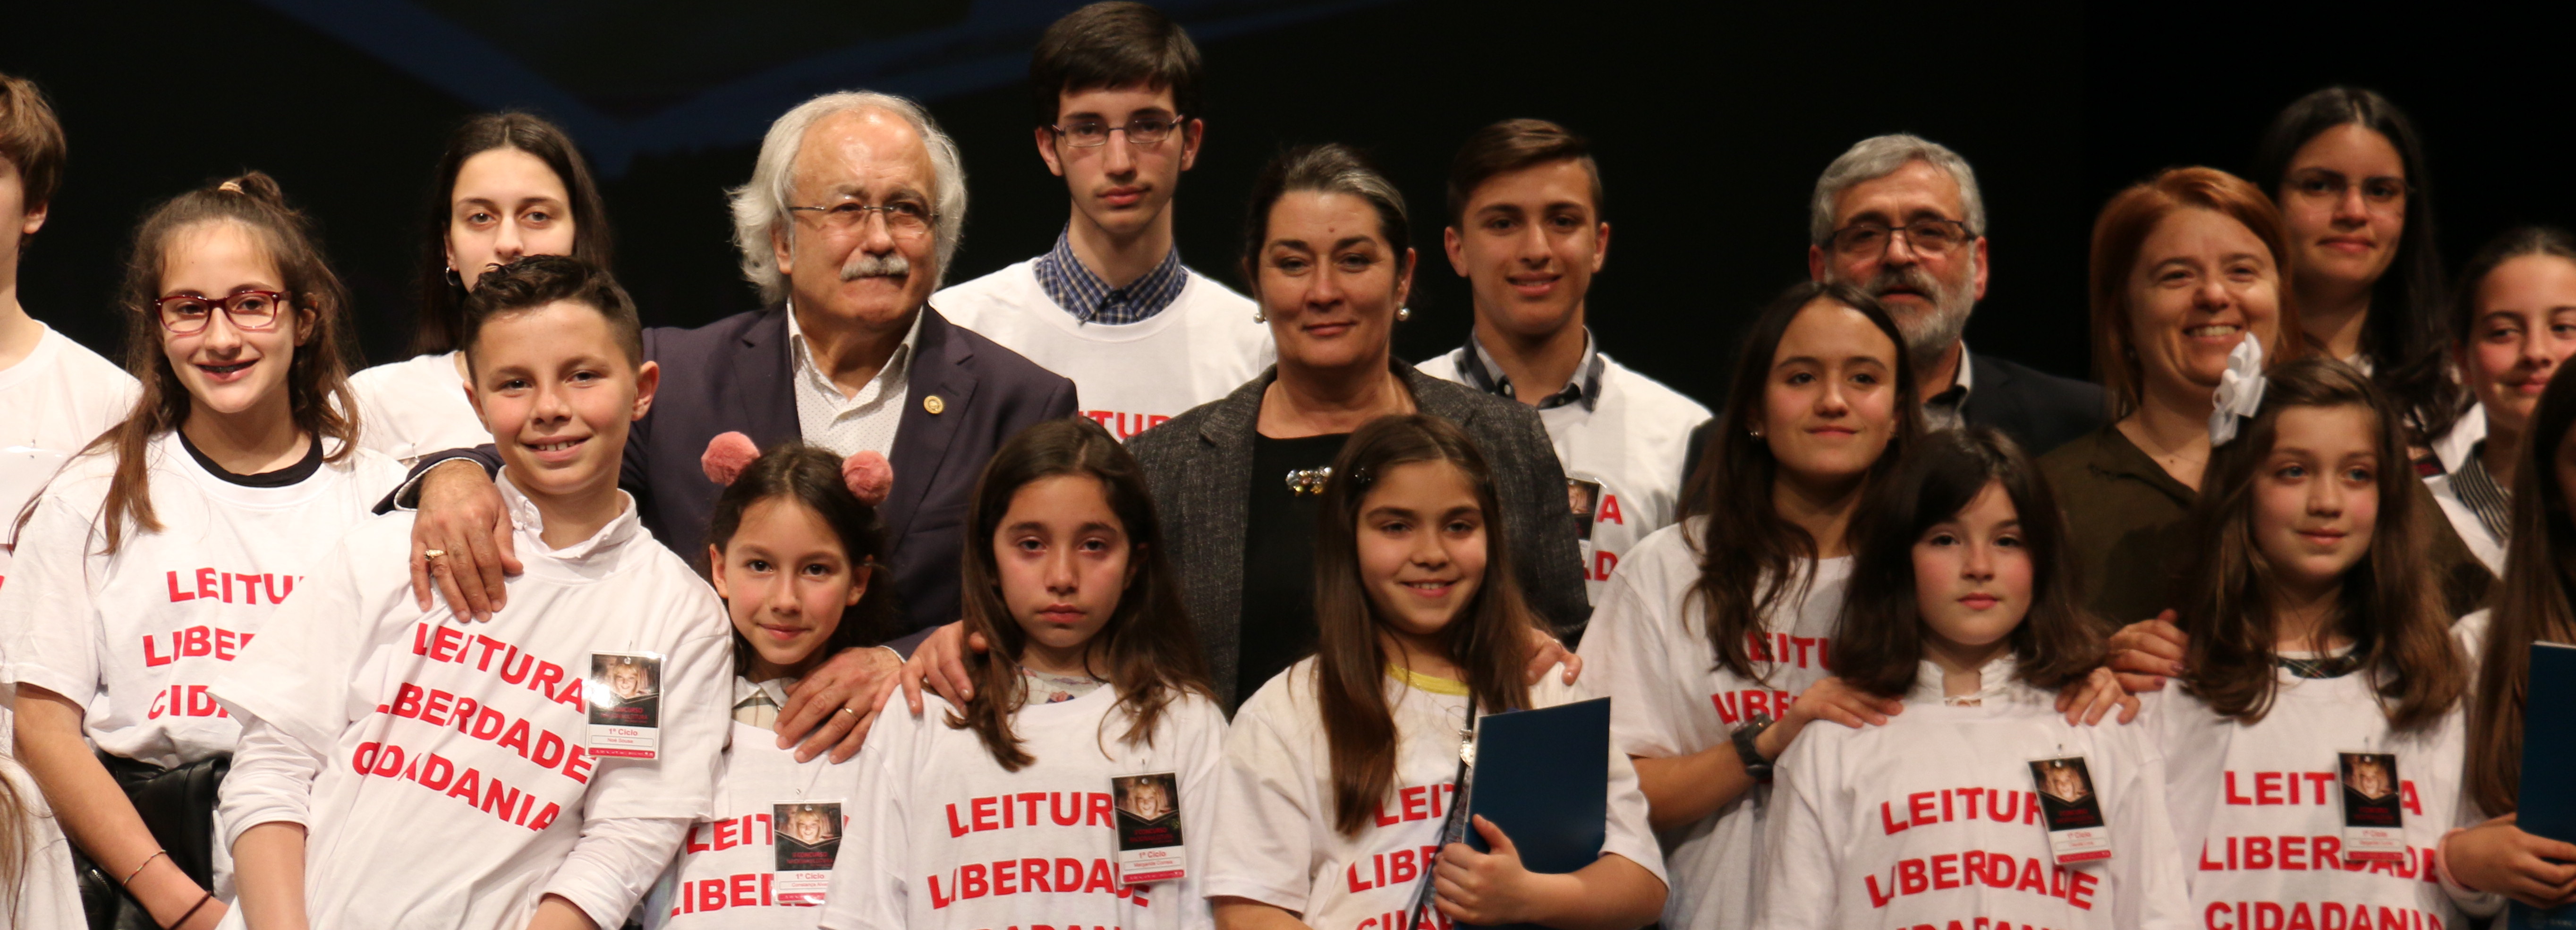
<point x="1136" y="555"/>
<point x="1815" y="263"/>
<point x="33" y="219"/>
<point x="1193" y="133"/>
<point x="716" y="570"/>
<point x="648" y="378"/>
<point x="1404" y="277"/>
<point x="1983" y="266"/>
<point x="305" y="322"/>
<point x="1600" y="246"/>
<point x="859" y="579"/>
<point x="1455" y="246"/>
<point x="781" y="245"/>
<point x="1046" y="150"/>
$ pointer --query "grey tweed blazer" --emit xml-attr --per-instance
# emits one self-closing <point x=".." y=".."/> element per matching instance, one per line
<point x="1200" y="468"/>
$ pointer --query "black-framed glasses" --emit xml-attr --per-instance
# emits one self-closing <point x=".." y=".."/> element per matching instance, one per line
<point x="1929" y="236"/>
<point x="250" y="311"/>
<point x="1141" y="130"/>
<point x="903" y="218"/>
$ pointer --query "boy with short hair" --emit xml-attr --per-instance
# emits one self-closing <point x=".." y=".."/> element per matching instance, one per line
<point x="59" y="394"/>
<point x="1526" y="231"/>
<point x="1111" y="306"/>
<point x="414" y="768"/>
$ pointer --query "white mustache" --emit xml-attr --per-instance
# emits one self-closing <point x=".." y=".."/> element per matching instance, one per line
<point x="864" y="265"/>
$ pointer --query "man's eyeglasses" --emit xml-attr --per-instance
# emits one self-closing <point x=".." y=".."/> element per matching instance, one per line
<point x="1142" y="130"/>
<point x="905" y="219"/>
<point x="250" y="311"/>
<point x="1925" y="236"/>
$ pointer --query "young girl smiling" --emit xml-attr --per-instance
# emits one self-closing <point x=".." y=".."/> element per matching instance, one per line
<point x="2318" y="650"/>
<point x="795" y="549"/>
<point x="1960" y="604"/>
<point x="1421" y="628"/>
<point x="979" y="815"/>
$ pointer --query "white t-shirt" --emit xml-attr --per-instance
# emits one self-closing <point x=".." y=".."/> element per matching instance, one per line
<point x="439" y="764"/>
<point x="2258" y="812"/>
<point x="948" y="840"/>
<point x="1934" y="819"/>
<point x="52" y="403"/>
<point x="137" y="638"/>
<point x="47" y="895"/>
<point x="1631" y="442"/>
<point x="1648" y="650"/>
<point x="412" y="408"/>
<point x="1275" y="838"/>
<point x="1131" y="376"/>
<point x="727" y="876"/>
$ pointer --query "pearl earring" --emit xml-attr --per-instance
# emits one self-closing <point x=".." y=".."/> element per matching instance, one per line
<point x="1258" y="316"/>
<point x="1403" y="313"/>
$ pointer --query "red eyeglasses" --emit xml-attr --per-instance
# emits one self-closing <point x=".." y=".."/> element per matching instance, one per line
<point x="250" y="311"/>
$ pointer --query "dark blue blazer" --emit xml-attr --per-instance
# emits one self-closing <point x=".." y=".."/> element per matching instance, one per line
<point x="735" y="375"/>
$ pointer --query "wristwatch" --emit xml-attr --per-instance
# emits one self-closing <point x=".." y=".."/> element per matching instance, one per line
<point x="1754" y="764"/>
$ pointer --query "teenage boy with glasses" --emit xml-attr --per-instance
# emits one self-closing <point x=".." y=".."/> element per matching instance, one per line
<point x="1116" y="88"/>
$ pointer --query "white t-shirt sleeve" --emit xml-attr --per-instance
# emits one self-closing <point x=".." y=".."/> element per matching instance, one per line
<point x="271" y="780"/>
<point x="868" y="888"/>
<point x="46" y="610"/>
<point x="1804" y="837"/>
<point x="614" y="864"/>
<point x="1625" y="829"/>
<point x="294" y="676"/>
<point x="1267" y="808"/>
<point x="1624" y="658"/>
<point x="1202" y="744"/>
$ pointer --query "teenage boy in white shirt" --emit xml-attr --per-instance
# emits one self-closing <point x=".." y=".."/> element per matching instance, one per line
<point x="1111" y="307"/>
<point x="1525" y="230"/>
<point x="409" y="767"/>
<point x="55" y="394"/>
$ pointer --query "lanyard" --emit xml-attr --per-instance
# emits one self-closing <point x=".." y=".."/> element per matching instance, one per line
<point x="1453" y="828"/>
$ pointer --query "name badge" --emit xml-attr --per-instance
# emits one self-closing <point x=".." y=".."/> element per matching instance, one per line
<point x="2374" y="824"/>
<point x="2071" y="810"/>
<point x="1149" y="827"/>
<point x="625" y="691"/>
<point x="808" y="840"/>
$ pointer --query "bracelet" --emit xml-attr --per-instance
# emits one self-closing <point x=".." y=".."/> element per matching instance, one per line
<point x="192" y="912"/>
<point x="147" y="860"/>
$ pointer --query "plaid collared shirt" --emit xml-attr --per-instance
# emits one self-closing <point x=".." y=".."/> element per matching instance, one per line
<point x="2477" y="487"/>
<point x="1091" y="300"/>
<point x="1483" y="375"/>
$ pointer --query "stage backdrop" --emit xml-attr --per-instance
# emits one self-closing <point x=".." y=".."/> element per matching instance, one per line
<point x="1711" y="121"/>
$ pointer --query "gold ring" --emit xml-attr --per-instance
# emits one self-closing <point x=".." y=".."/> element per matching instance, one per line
<point x="432" y="554"/>
<point x="849" y="712"/>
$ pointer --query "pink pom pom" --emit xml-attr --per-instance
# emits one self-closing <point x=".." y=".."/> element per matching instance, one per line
<point x="727" y="455"/>
<point x="869" y="476"/>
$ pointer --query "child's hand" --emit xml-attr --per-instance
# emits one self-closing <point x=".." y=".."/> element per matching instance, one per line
<point x="2497" y="856"/>
<point x="2085" y="702"/>
<point x="1831" y="699"/>
<point x="1492" y="888"/>
<point x="1546" y="651"/>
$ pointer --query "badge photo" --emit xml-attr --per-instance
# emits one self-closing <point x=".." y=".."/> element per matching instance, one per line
<point x="2374" y="820"/>
<point x="625" y="690"/>
<point x="1584" y="498"/>
<point x="807" y="842"/>
<point x="1149" y="827"/>
<point x="2070" y="810"/>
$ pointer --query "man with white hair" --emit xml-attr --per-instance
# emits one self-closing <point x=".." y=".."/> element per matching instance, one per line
<point x="847" y="225"/>
<point x="1901" y="217"/>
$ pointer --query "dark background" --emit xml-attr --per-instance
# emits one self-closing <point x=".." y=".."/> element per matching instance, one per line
<point x="1711" y="126"/>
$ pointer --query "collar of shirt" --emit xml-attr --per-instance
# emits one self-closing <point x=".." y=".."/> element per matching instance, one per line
<point x="1484" y="375"/>
<point x="810" y="376"/>
<point x="531" y="524"/>
<point x="1994" y="680"/>
<point x="1091" y="300"/>
<point x="2477" y="487"/>
<point x="1944" y="409"/>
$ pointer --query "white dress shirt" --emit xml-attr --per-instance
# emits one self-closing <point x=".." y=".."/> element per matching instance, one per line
<point x="848" y="423"/>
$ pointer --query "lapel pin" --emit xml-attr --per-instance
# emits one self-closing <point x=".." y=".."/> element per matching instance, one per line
<point x="934" y="405"/>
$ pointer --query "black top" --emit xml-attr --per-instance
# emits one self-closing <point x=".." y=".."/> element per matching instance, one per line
<point x="1279" y="558"/>
<point x="284" y="477"/>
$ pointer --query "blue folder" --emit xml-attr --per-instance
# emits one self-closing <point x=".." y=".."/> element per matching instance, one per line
<point x="1543" y="776"/>
<point x="2548" y="801"/>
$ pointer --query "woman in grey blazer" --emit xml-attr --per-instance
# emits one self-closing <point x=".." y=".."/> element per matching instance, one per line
<point x="1237" y="479"/>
